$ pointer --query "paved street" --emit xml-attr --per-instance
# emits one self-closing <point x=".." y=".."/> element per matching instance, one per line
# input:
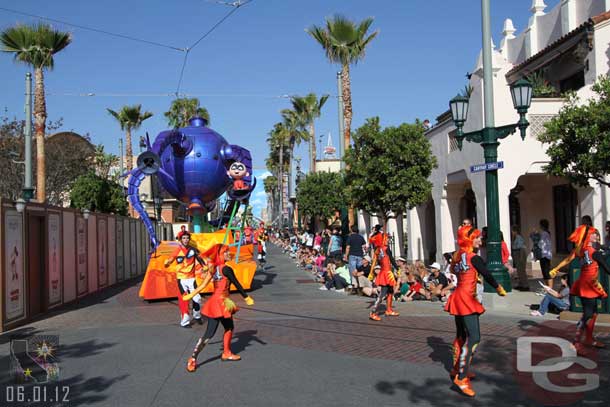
<point x="300" y="346"/>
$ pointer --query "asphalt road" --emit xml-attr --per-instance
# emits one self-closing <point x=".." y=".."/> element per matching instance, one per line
<point x="299" y="346"/>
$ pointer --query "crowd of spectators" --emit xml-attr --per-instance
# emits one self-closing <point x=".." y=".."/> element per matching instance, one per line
<point x="343" y="264"/>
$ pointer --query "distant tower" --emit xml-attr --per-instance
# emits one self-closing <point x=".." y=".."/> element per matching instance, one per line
<point x="329" y="150"/>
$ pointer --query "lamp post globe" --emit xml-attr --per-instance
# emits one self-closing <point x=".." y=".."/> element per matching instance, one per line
<point x="20" y="205"/>
<point x="521" y="91"/>
<point x="459" y="112"/>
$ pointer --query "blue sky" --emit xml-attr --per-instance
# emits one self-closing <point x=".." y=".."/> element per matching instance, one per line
<point x="241" y="70"/>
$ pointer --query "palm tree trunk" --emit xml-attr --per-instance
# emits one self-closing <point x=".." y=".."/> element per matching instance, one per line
<point x="347" y="106"/>
<point x="280" y="182"/>
<point x="128" y="150"/>
<point x="347" y="120"/>
<point x="312" y="147"/>
<point x="40" y="123"/>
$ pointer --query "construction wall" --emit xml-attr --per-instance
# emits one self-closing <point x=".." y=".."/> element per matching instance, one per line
<point x="51" y="256"/>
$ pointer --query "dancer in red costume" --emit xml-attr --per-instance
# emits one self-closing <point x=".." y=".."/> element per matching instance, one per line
<point x="386" y="279"/>
<point x="219" y="308"/>
<point x="587" y="287"/>
<point x="189" y="263"/>
<point x="465" y="307"/>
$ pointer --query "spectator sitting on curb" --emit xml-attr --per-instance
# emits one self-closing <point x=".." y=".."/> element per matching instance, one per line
<point x="361" y="276"/>
<point x="334" y="281"/>
<point x="437" y="282"/>
<point x="553" y="300"/>
<point x="342" y="272"/>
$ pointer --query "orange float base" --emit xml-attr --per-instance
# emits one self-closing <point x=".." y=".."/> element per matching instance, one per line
<point x="160" y="281"/>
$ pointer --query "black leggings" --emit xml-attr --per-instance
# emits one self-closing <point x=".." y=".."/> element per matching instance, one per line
<point x="210" y="331"/>
<point x="468" y="331"/>
<point x="589" y="308"/>
<point x="385" y="290"/>
<point x="227" y="324"/>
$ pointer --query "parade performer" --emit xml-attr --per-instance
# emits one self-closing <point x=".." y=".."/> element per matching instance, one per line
<point x="587" y="287"/>
<point x="385" y="279"/>
<point x="237" y="171"/>
<point x="188" y="265"/>
<point x="261" y="238"/>
<point x="465" y="307"/>
<point x="219" y="308"/>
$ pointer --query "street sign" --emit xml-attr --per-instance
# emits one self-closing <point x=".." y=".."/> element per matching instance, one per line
<point x="487" y="166"/>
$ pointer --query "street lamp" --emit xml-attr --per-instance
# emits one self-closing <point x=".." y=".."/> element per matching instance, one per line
<point x="489" y="137"/>
<point x="86" y="213"/>
<point x="158" y="204"/>
<point x="20" y="205"/>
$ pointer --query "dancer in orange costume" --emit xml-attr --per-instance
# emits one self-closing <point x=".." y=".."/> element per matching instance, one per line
<point x="465" y="307"/>
<point x="189" y="263"/>
<point x="219" y="308"/>
<point x="385" y="279"/>
<point x="587" y="287"/>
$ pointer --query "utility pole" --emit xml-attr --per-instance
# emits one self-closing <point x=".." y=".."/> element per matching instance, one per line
<point x="121" y="167"/>
<point x="28" y="190"/>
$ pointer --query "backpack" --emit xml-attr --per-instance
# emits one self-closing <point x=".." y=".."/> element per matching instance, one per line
<point x="537" y="248"/>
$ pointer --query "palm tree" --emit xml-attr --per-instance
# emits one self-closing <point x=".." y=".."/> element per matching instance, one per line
<point x="308" y="108"/>
<point x="345" y="43"/>
<point x="35" y="46"/>
<point x="280" y="139"/>
<point x="130" y="118"/>
<point x="183" y="109"/>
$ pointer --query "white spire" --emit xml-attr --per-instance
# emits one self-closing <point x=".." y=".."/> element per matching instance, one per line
<point x="508" y="33"/>
<point x="538" y="7"/>
<point x="509" y="30"/>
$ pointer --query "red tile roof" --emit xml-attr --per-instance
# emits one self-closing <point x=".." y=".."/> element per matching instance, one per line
<point x="587" y="25"/>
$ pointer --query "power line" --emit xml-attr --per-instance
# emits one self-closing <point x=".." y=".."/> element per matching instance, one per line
<point x="158" y="44"/>
<point x="186" y="55"/>
<point x="237" y="5"/>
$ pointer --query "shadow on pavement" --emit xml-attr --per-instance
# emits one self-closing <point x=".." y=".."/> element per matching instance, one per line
<point x="442" y="392"/>
<point x="244" y="340"/>
<point x="441" y="352"/>
<point x="84" y="392"/>
<point x="257" y="283"/>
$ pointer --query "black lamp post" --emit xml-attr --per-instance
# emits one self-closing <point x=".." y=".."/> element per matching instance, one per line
<point x="158" y="204"/>
<point x="488" y="137"/>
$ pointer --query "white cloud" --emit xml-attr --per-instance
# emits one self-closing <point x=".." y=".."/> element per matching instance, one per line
<point x="264" y="175"/>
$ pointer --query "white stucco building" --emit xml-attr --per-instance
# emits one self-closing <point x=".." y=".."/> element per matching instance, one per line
<point x="570" y="47"/>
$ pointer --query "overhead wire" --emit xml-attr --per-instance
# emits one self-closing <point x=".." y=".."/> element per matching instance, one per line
<point x="128" y="37"/>
<point x="222" y="20"/>
<point x="235" y="6"/>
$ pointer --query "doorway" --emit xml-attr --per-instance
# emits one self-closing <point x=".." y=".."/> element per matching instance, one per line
<point x="565" y="199"/>
<point x="36" y="281"/>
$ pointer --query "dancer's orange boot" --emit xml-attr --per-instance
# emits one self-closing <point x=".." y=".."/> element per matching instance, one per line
<point x="389" y="311"/>
<point x="191" y="365"/>
<point x="227" y="355"/>
<point x="464" y="386"/>
<point x="374" y="317"/>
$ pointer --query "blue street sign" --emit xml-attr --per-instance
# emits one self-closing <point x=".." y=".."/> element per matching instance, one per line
<point x="487" y="166"/>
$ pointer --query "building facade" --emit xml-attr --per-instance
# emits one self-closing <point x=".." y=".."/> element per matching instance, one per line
<point x="563" y="49"/>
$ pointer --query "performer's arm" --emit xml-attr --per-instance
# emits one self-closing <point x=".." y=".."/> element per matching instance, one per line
<point x="600" y="259"/>
<point x="171" y="259"/>
<point x="230" y="275"/>
<point x="479" y="264"/>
